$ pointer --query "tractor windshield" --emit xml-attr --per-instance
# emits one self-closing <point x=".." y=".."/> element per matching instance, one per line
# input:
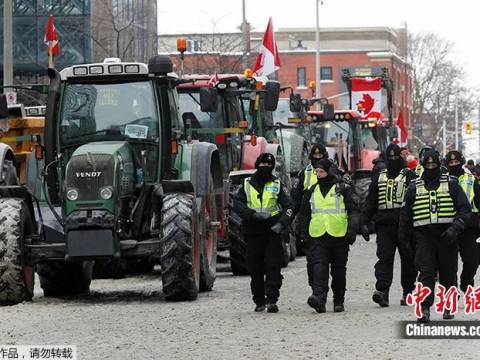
<point x="93" y="112"/>
<point x="331" y="133"/>
<point x="259" y="120"/>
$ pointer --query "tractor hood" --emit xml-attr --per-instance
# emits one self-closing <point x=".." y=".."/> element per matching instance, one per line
<point x="92" y="168"/>
<point x="104" y="147"/>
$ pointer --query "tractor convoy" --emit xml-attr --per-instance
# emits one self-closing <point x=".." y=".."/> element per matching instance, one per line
<point x="137" y="166"/>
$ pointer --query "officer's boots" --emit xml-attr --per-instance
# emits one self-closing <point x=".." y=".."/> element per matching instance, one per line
<point x="380" y="297"/>
<point x="425" y="315"/>
<point x="316" y="303"/>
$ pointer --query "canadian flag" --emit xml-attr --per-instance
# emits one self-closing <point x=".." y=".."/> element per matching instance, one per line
<point x="268" y="60"/>
<point x="51" y="37"/>
<point x="367" y="97"/>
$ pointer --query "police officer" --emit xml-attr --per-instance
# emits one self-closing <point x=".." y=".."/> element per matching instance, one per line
<point x="329" y="217"/>
<point x="307" y="177"/>
<point x="421" y="154"/>
<point x="266" y="211"/>
<point x="384" y="200"/>
<point x="435" y="212"/>
<point x="467" y="241"/>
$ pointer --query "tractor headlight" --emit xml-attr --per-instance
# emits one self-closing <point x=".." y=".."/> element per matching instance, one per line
<point x="106" y="193"/>
<point x="72" y="194"/>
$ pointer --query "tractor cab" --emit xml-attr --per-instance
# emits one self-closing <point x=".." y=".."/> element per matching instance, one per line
<point x="351" y="141"/>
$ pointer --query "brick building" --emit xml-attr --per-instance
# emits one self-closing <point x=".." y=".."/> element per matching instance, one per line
<point x="361" y="50"/>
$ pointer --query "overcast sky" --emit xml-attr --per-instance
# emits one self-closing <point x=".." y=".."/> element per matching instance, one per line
<point x="459" y="20"/>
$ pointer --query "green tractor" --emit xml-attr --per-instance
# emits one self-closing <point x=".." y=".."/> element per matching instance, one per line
<point x="115" y="180"/>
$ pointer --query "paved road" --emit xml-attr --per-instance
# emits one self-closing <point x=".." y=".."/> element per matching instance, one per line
<point x="129" y="319"/>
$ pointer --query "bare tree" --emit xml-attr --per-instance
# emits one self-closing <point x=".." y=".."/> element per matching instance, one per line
<point x="124" y="30"/>
<point x="437" y="82"/>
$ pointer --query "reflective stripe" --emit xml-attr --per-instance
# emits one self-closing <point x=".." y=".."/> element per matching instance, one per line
<point x="434" y="206"/>
<point x="391" y="192"/>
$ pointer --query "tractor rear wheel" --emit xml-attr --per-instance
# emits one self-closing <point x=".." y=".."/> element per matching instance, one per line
<point x="238" y="245"/>
<point x="208" y="270"/>
<point x="16" y="277"/>
<point x="60" y="278"/>
<point x="180" y="248"/>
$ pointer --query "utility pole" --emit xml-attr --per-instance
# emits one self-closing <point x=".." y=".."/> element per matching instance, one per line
<point x="317" y="53"/>
<point x="245" y="30"/>
<point x="456" y="121"/>
<point x="7" y="43"/>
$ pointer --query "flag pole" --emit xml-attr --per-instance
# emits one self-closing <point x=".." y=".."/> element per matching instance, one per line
<point x="50" y="57"/>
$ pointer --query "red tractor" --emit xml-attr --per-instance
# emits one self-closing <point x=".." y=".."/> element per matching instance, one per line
<point x="223" y="109"/>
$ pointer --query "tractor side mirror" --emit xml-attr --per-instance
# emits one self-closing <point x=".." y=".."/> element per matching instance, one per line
<point x="328" y="111"/>
<point x="208" y="99"/>
<point x="3" y="106"/>
<point x="296" y="103"/>
<point x="272" y="93"/>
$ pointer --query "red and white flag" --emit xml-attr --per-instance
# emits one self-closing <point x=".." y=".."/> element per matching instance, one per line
<point x="268" y="60"/>
<point x="51" y="37"/>
<point x="367" y="97"/>
<point x="403" y="130"/>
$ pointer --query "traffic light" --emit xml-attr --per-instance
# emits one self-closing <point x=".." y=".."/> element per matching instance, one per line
<point x="468" y="127"/>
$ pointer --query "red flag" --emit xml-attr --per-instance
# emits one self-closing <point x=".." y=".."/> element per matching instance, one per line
<point x="403" y="129"/>
<point x="51" y="37"/>
<point x="268" y="60"/>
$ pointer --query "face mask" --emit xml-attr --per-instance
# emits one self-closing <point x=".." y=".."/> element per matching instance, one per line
<point x="395" y="165"/>
<point x="455" y="170"/>
<point x="264" y="172"/>
<point x="431" y="174"/>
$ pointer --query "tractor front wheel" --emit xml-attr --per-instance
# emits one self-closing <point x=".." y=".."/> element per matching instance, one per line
<point x="60" y="278"/>
<point x="180" y="248"/>
<point x="16" y="276"/>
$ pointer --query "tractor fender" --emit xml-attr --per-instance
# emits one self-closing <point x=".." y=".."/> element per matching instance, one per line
<point x="6" y="153"/>
<point x="205" y="160"/>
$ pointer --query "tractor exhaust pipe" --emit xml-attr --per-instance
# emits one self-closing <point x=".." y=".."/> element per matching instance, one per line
<point x="50" y="132"/>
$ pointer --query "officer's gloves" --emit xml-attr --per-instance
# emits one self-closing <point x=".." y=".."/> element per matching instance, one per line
<point x="365" y="232"/>
<point x="451" y="234"/>
<point x="260" y="216"/>
<point x="351" y="236"/>
<point x="277" y="228"/>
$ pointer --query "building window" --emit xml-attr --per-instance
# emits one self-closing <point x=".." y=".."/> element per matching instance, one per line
<point x="326" y="73"/>
<point x="301" y="77"/>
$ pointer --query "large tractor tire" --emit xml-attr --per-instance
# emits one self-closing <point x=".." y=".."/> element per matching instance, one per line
<point x="16" y="277"/>
<point x="60" y="278"/>
<point x="238" y="245"/>
<point x="208" y="263"/>
<point x="180" y="248"/>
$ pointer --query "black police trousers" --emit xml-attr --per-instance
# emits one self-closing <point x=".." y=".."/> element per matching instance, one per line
<point x="470" y="255"/>
<point x="435" y="254"/>
<point x="387" y="243"/>
<point x="329" y="254"/>
<point x="264" y="261"/>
